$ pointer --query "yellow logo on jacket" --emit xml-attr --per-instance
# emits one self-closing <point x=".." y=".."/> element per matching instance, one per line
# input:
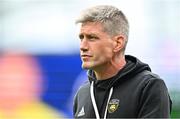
<point x="113" y="105"/>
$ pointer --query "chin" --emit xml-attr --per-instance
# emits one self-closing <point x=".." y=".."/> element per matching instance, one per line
<point x="86" y="66"/>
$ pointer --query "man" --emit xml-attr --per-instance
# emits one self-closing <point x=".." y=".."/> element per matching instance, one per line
<point x="119" y="86"/>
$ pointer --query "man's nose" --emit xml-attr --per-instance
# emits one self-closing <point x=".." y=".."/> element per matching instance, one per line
<point x="84" y="45"/>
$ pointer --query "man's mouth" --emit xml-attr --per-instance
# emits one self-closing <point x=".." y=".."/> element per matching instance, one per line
<point x="85" y="56"/>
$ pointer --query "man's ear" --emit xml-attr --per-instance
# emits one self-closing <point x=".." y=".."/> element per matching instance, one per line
<point x="119" y="43"/>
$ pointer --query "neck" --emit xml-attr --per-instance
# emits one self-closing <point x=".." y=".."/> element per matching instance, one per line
<point x="110" y="69"/>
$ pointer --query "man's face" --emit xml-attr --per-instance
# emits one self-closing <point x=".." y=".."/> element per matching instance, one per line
<point x="96" y="46"/>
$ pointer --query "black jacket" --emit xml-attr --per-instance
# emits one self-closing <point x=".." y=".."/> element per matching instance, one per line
<point x="137" y="93"/>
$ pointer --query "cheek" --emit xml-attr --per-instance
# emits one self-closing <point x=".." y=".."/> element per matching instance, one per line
<point x="105" y="51"/>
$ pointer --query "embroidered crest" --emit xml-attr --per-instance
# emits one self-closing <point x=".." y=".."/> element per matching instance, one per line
<point x="113" y="105"/>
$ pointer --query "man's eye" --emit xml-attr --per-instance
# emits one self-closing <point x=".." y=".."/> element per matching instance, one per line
<point x="81" y="36"/>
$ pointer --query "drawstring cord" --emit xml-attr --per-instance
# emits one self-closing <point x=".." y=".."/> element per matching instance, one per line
<point x="94" y="101"/>
<point x="110" y="94"/>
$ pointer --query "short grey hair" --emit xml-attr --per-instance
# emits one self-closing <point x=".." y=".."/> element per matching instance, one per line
<point x="113" y="20"/>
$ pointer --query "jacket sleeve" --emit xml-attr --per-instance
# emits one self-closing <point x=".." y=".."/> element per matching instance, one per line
<point x="155" y="101"/>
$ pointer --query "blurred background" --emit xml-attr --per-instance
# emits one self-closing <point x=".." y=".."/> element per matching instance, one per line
<point x="38" y="38"/>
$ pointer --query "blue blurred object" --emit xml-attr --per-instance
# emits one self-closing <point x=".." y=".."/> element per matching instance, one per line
<point x="60" y="72"/>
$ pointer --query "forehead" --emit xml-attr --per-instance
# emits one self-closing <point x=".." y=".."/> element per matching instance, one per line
<point x="91" y="27"/>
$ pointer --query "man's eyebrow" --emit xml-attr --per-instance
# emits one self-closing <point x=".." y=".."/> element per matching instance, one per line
<point x="92" y="34"/>
<point x="88" y="34"/>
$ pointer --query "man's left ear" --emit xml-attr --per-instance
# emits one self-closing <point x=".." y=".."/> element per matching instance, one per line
<point x="119" y="43"/>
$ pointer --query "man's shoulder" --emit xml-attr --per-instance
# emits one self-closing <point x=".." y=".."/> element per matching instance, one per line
<point x="84" y="87"/>
<point x="148" y="75"/>
<point x="82" y="92"/>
